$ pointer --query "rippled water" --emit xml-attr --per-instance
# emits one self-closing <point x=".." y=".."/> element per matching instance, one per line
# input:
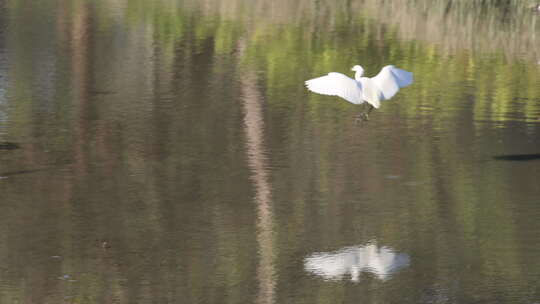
<point x="167" y="152"/>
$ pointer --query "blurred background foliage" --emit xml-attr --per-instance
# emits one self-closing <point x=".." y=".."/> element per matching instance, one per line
<point x="486" y="51"/>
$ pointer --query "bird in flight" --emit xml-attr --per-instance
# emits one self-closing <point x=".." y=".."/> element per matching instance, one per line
<point x="362" y="90"/>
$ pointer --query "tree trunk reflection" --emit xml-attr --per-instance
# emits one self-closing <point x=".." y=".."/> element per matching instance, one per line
<point x="257" y="161"/>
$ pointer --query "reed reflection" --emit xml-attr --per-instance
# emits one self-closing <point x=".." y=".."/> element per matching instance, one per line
<point x="352" y="261"/>
<point x="3" y="78"/>
<point x="3" y="102"/>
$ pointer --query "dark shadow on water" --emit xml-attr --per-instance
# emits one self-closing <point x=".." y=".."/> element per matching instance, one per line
<point x="6" y="145"/>
<point x="101" y="92"/>
<point x="517" y="157"/>
<point x="13" y="173"/>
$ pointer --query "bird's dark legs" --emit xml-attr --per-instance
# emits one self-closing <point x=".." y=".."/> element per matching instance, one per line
<point x="364" y="114"/>
<point x="370" y="108"/>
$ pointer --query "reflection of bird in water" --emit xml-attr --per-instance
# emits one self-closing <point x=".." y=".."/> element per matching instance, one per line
<point x="381" y="262"/>
<point x="362" y="89"/>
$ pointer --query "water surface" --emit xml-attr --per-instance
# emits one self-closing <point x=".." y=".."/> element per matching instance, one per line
<point x="168" y="152"/>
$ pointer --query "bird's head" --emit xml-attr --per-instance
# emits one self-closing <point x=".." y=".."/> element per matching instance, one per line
<point x="359" y="71"/>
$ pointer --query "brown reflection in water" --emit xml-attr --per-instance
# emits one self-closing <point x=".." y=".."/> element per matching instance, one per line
<point x="80" y="64"/>
<point x="257" y="161"/>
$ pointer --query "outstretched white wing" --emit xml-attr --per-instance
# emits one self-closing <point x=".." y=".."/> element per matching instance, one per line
<point x="390" y="79"/>
<point x="337" y="84"/>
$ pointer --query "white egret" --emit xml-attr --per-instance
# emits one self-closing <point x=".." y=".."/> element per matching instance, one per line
<point x="362" y="89"/>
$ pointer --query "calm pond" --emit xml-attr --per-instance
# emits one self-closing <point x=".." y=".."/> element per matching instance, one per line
<point x="167" y="151"/>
